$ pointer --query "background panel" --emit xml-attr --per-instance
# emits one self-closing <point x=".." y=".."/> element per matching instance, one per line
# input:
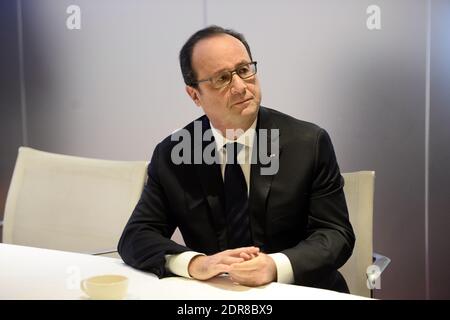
<point x="318" y="62"/>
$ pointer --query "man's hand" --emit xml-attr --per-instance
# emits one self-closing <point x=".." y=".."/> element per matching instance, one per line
<point x="206" y="267"/>
<point x="254" y="272"/>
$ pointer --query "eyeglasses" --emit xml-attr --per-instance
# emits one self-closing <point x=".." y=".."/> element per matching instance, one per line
<point x="224" y="78"/>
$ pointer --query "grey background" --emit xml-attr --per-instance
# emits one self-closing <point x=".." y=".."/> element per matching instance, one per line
<point x="439" y="152"/>
<point x="113" y="90"/>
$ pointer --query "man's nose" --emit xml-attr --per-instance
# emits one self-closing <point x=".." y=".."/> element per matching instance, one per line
<point x="238" y="85"/>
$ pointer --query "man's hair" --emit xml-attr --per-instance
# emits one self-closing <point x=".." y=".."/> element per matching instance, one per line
<point x="189" y="75"/>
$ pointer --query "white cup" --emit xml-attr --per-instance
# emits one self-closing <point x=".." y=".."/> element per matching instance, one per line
<point x="105" y="287"/>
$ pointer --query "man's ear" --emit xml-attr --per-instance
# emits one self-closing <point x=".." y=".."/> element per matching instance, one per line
<point x="193" y="93"/>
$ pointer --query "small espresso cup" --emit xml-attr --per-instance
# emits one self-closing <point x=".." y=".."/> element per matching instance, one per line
<point x="105" y="287"/>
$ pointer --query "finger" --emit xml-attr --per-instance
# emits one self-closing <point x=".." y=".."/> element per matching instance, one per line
<point x="248" y="250"/>
<point x="231" y="260"/>
<point x="251" y="250"/>
<point x="249" y="265"/>
<point x="246" y="256"/>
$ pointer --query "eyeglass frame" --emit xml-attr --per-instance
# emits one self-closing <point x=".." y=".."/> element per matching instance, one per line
<point x="232" y="72"/>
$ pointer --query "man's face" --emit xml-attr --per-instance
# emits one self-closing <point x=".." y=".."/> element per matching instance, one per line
<point x="236" y="104"/>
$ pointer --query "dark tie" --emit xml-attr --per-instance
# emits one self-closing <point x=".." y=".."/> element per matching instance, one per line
<point x="236" y="200"/>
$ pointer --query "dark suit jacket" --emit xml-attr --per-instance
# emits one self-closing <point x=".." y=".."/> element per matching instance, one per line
<point x="300" y="211"/>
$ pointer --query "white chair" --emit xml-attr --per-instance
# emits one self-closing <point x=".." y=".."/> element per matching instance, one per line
<point x="70" y="203"/>
<point x="363" y="270"/>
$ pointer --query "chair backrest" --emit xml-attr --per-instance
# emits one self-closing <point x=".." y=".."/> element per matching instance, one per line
<point x="70" y="203"/>
<point x="359" y="193"/>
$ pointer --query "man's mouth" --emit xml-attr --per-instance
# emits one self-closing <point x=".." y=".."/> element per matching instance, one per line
<point x="240" y="102"/>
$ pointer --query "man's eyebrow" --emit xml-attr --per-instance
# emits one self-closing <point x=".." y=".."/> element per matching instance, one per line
<point x="242" y="62"/>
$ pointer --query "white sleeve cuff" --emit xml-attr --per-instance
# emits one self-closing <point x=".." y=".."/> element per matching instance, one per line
<point x="285" y="274"/>
<point x="178" y="263"/>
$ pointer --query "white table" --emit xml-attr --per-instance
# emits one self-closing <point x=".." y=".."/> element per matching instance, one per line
<point x="34" y="273"/>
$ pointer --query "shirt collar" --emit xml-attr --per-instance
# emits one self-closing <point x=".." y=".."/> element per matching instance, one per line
<point x="245" y="139"/>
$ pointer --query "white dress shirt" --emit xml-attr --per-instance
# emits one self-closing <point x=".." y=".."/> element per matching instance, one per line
<point x="178" y="263"/>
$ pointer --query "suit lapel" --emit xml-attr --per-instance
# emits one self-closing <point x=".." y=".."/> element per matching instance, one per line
<point x="260" y="184"/>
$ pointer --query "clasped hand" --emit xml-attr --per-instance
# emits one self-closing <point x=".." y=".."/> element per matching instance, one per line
<point x="247" y="266"/>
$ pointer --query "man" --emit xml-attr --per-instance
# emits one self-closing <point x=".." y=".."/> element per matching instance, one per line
<point x="287" y="224"/>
